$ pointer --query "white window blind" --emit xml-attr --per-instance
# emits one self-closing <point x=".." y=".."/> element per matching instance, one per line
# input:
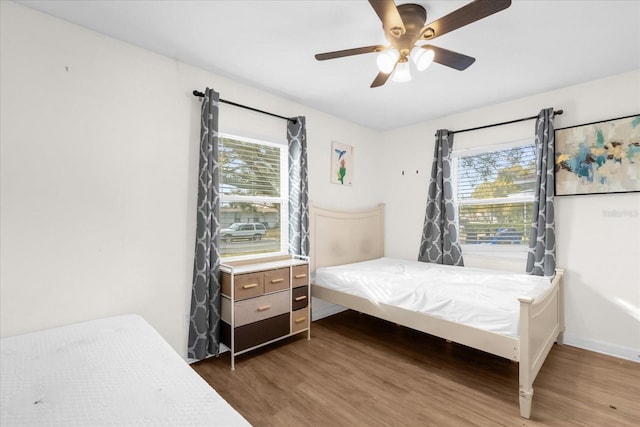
<point x="494" y="194"/>
<point x="254" y="194"/>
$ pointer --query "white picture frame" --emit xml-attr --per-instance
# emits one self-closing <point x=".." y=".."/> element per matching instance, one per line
<point x="341" y="164"/>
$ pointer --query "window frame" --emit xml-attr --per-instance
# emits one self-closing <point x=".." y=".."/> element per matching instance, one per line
<point x="283" y="199"/>
<point x="519" y="251"/>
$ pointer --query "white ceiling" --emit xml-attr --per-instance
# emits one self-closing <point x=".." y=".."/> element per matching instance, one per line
<point x="531" y="47"/>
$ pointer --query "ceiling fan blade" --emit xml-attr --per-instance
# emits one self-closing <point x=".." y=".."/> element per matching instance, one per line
<point x="450" y="58"/>
<point x="389" y="15"/>
<point x="349" y="52"/>
<point x="467" y="14"/>
<point x="380" y="79"/>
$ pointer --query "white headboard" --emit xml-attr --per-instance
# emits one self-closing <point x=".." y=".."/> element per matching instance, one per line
<point x="342" y="237"/>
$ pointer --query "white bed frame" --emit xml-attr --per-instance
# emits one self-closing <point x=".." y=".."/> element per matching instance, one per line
<point x="339" y="237"/>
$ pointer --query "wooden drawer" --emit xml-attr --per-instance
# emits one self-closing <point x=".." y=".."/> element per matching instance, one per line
<point x="276" y="280"/>
<point x="299" y="298"/>
<point x="245" y="285"/>
<point x="300" y="275"/>
<point x="260" y="308"/>
<point x="299" y="320"/>
<point x="256" y="333"/>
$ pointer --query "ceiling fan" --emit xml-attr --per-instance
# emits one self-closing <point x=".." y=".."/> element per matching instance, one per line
<point x="404" y="26"/>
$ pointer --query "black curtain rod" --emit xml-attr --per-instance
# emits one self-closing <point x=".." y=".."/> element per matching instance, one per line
<point x="235" y="104"/>
<point x="555" y="113"/>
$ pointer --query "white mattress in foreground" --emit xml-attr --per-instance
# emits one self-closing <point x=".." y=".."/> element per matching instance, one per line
<point x="485" y="299"/>
<point x="116" y="371"/>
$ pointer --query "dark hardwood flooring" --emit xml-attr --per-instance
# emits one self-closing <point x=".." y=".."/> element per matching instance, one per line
<point x="361" y="371"/>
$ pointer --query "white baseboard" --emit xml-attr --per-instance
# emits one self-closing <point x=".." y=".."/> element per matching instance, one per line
<point x="321" y="309"/>
<point x="609" y="349"/>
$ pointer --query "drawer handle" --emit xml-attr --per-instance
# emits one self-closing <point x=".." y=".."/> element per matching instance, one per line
<point x="277" y="280"/>
<point x="264" y="307"/>
<point x="301" y="298"/>
<point x="300" y="320"/>
<point x="301" y="276"/>
<point x="252" y="285"/>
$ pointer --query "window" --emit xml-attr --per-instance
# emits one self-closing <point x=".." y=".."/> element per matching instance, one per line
<point x="494" y="190"/>
<point x="254" y="194"/>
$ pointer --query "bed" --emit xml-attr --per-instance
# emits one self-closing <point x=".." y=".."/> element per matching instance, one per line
<point x="105" y="372"/>
<point x="353" y="241"/>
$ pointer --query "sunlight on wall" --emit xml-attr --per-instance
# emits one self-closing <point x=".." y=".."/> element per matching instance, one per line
<point x="628" y="308"/>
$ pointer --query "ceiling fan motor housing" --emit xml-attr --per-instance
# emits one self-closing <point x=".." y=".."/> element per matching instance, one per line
<point x="414" y="18"/>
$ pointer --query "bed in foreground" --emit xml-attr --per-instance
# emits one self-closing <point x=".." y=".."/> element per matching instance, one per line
<point x="525" y="335"/>
<point x="112" y="371"/>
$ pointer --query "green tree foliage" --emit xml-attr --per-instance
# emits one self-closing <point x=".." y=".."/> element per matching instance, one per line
<point x="509" y="180"/>
<point x="249" y="169"/>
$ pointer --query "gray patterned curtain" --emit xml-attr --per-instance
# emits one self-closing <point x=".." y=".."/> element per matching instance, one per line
<point x="204" y="325"/>
<point x="541" y="259"/>
<point x="298" y="187"/>
<point x="440" y="232"/>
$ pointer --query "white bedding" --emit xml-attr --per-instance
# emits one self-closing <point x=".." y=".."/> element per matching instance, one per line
<point x="485" y="299"/>
<point x="116" y="371"/>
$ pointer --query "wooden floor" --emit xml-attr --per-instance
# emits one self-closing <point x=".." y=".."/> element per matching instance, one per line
<point x="360" y="371"/>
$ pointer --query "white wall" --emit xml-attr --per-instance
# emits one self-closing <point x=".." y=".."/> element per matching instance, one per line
<point x="597" y="235"/>
<point x="99" y="156"/>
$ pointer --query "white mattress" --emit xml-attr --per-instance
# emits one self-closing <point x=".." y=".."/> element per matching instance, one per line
<point x="116" y="371"/>
<point x="485" y="299"/>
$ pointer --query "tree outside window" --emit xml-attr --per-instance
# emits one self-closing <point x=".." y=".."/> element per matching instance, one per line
<point x="494" y="194"/>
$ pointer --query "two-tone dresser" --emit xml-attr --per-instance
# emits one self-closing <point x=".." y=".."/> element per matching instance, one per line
<point x="264" y="301"/>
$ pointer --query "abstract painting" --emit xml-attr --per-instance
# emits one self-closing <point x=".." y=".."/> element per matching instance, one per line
<point x="601" y="157"/>
<point x="341" y="164"/>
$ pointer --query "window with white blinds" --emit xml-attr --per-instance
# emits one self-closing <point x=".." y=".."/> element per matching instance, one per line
<point x="254" y="194"/>
<point x="494" y="190"/>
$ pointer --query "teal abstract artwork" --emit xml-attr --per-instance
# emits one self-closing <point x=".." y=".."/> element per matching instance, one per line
<point x="596" y="158"/>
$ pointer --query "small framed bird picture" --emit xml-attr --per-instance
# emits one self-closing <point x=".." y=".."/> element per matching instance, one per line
<point x="341" y="163"/>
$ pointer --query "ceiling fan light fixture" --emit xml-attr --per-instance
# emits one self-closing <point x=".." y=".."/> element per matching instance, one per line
<point x="402" y="73"/>
<point x="422" y="57"/>
<point x="387" y="60"/>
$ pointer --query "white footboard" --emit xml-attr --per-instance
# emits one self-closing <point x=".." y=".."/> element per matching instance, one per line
<point x="541" y="324"/>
